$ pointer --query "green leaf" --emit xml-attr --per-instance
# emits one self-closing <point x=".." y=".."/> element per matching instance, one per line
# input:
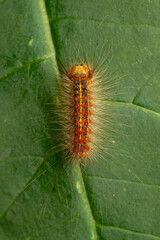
<point x="115" y="197"/>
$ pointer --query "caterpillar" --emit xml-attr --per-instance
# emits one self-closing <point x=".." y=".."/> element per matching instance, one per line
<point x="80" y="80"/>
<point x="82" y="94"/>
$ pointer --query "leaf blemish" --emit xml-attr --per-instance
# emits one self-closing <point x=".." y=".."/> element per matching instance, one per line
<point x="30" y="42"/>
<point x="78" y="187"/>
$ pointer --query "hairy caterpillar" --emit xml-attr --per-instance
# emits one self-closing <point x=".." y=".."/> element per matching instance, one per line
<point x="80" y="109"/>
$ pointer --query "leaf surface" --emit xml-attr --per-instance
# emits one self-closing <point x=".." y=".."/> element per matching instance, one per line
<point x="118" y="195"/>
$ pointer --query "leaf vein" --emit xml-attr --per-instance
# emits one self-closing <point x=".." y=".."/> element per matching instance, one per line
<point x="23" y="66"/>
<point x="101" y="21"/>
<point x="130" y="231"/>
<point x="19" y="194"/>
<point x="138" y="106"/>
<point x="124" y="181"/>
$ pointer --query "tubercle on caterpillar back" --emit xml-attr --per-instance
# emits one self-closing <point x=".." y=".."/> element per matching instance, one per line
<point x="81" y="83"/>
